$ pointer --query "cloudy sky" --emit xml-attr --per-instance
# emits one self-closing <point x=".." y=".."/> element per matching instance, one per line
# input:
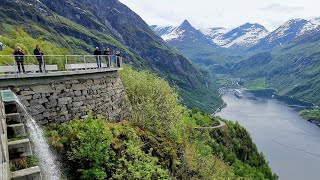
<point x="225" y="13"/>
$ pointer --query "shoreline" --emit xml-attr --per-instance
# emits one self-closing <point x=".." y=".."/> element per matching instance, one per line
<point x="292" y="102"/>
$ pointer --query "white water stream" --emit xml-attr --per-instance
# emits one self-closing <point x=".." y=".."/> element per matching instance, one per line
<point x="47" y="161"/>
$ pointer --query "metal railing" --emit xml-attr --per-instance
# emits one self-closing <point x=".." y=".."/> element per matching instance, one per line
<point x="59" y="62"/>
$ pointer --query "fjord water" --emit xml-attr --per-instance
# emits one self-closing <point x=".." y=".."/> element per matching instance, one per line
<point x="290" y="143"/>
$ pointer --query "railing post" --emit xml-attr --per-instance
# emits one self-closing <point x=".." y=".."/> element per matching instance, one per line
<point x="15" y="65"/>
<point x="109" y="61"/>
<point x="66" y="65"/>
<point x="116" y="62"/>
<point x="84" y="62"/>
<point x="43" y="65"/>
<point x="99" y="62"/>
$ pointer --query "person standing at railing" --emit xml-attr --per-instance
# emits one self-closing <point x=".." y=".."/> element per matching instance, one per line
<point x="118" y="55"/>
<point x="39" y="55"/>
<point x="19" y="58"/>
<point x="107" y="53"/>
<point x="97" y="53"/>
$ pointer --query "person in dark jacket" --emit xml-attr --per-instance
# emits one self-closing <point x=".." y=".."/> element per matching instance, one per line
<point x="107" y="53"/>
<point x="39" y="55"/>
<point x="97" y="53"/>
<point x="118" y="55"/>
<point x="19" y="58"/>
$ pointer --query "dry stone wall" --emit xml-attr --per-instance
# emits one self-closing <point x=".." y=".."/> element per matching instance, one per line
<point x="61" y="99"/>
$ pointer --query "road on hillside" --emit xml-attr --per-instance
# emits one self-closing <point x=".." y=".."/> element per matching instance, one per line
<point x="221" y="124"/>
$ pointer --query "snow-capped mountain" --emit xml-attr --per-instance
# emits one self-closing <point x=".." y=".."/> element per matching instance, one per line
<point x="288" y="32"/>
<point x="183" y="35"/>
<point x="245" y="35"/>
<point x="184" y="32"/>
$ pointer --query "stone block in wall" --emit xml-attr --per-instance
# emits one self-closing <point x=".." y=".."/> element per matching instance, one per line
<point x="26" y="93"/>
<point x="75" y="81"/>
<point x="64" y="113"/>
<point x="36" y="96"/>
<point x="53" y="97"/>
<point x="89" y="97"/>
<point x="75" y="110"/>
<point x="52" y="103"/>
<point x="84" y="92"/>
<point x="22" y="97"/>
<point x="41" y="89"/>
<point x="35" y="110"/>
<point x="77" y="93"/>
<point x="78" y="99"/>
<point x="77" y="104"/>
<point x="78" y="87"/>
<point x="59" y="87"/>
<point x="66" y="94"/>
<point x="96" y="87"/>
<point x="64" y="101"/>
<point x="38" y="101"/>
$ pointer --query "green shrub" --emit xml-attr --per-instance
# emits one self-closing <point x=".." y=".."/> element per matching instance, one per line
<point x="155" y="104"/>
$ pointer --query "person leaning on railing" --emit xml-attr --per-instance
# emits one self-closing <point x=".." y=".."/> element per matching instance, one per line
<point x="19" y="58"/>
<point x="107" y="53"/>
<point x="39" y="55"/>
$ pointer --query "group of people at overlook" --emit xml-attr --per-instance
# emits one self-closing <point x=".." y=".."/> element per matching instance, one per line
<point x="19" y="58"/>
<point x="107" y="55"/>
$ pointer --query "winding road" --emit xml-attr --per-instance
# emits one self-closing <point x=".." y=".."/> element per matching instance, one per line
<point x="221" y="124"/>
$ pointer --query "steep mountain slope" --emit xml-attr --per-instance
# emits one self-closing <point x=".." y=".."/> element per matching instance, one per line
<point x="286" y="33"/>
<point x="80" y="25"/>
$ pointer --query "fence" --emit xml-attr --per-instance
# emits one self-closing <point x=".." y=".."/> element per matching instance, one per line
<point x="67" y="63"/>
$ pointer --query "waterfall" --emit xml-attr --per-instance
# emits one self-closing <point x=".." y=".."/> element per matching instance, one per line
<point x="47" y="161"/>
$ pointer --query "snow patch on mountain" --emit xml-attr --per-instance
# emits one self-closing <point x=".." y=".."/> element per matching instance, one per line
<point x="215" y="34"/>
<point x="174" y="34"/>
<point x="167" y="33"/>
<point x="307" y="29"/>
<point x="246" y="35"/>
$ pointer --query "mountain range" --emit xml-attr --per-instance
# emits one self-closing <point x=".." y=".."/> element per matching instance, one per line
<point x="286" y="59"/>
<point x="248" y="37"/>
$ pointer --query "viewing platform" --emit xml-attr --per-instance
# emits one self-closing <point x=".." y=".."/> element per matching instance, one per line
<point x="58" y="65"/>
<point x="69" y="86"/>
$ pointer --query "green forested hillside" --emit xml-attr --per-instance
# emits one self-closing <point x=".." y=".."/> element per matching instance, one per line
<point x="159" y="142"/>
